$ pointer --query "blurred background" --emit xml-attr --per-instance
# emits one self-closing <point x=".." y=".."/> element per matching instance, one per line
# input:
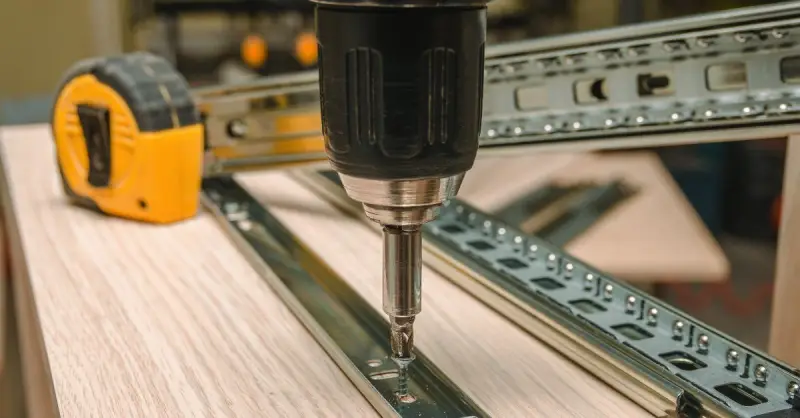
<point x="733" y="189"/>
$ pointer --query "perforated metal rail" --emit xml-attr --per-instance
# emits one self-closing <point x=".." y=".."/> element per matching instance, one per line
<point x="707" y="372"/>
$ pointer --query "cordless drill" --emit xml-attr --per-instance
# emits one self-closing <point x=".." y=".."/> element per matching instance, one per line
<point x="401" y="86"/>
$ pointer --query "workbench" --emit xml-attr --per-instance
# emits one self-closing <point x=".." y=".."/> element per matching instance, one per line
<point x="118" y="318"/>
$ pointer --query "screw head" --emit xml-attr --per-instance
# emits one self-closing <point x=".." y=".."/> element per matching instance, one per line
<point x="245" y="225"/>
<point x="652" y="316"/>
<point x="792" y="389"/>
<point x="608" y="292"/>
<point x="518" y="130"/>
<point x="491" y="133"/>
<point x="487" y="227"/>
<point x="677" y="329"/>
<point x="551" y="261"/>
<point x="533" y="250"/>
<point x="630" y="303"/>
<point x="568" y="269"/>
<point x="702" y="343"/>
<point x="760" y="373"/>
<point x="732" y="358"/>
<point x="501" y="234"/>
<point x="588" y="281"/>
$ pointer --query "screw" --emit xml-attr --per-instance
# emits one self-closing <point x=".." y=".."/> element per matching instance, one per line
<point x="630" y="304"/>
<point x="519" y="242"/>
<point x="568" y="269"/>
<point x="640" y="119"/>
<point x="783" y="107"/>
<point x="761" y="374"/>
<point x="548" y="128"/>
<point x="491" y="133"/>
<point x="237" y="128"/>
<point x="230" y="207"/>
<point x="609" y="122"/>
<point x="518" y="131"/>
<point x="487" y="227"/>
<point x="747" y="110"/>
<point x="792" y="389"/>
<point x="245" y="225"/>
<point x="675" y="116"/>
<point x="551" y="261"/>
<point x="709" y="113"/>
<point x="533" y="250"/>
<point x="732" y="358"/>
<point x="677" y="329"/>
<point x="608" y="292"/>
<point x="501" y="234"/>
<point x="588" y="281"/>
<point x="702" y="343"/>
<point x="472" y="218"/>
<point x="652" y="316"/>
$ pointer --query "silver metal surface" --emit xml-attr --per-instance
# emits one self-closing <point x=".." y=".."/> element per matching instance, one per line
<point x="661" y="358"/>
<point x="351" y="332"/>
<point x="401" y="202"/>
<point x="402" y="285"/>
<point x="717" y="77"/>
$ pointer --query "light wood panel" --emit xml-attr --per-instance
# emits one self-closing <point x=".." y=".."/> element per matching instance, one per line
<point x="654" y="236"/>
<point x="784" y="341"/>
<point x="134" y="320"/>
<point x="510" y="373"/>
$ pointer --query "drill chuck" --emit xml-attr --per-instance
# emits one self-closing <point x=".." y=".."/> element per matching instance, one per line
<point x="401" y="95"/>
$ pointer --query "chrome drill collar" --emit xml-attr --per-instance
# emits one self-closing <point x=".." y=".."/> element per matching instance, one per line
<point x="402" y="202"/>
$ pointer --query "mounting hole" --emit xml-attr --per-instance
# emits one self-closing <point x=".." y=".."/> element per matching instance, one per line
<point x="741" y="394"/>
<point x="683" y="361"/>
<point x="632" y="332"/>
<point x="547" y="283"/>
<point x="512" y="263"/>
<point x="142" y="204"/>
<point x="452" y="229"/>
<point x="588" y="306"/>
<point x="481" y="245"/>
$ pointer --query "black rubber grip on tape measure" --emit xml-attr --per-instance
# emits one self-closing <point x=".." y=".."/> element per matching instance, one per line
<point x="152" y="88"/>
<point x="401" y="89"/>
<point x="142" y="80"/>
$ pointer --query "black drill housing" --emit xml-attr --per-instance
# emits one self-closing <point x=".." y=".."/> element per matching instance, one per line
<point x="401" y="89"/>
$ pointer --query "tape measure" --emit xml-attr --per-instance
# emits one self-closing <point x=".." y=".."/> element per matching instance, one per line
<point x="129" y="139"/>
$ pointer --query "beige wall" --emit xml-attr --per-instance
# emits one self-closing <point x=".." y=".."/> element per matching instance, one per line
<point x="40" y="39"/>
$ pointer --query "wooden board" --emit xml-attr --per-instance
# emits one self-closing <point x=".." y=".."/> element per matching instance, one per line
<point x="165" y="321"/>
<point x="654" y="236"/>
<point x="784" y="340"/>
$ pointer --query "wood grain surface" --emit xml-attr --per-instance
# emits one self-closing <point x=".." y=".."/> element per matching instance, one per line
<point x="784" y="341"/>
<point x="657" y="235"/>
<point x="134" y="320"/>
<point x="155" y="321"/>
<point x="508" y="372"/>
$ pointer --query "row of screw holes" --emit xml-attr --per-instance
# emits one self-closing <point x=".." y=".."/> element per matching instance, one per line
<point x="598" y="286"/>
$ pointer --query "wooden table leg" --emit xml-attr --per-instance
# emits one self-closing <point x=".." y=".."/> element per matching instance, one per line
<point x="784" y="341"/>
